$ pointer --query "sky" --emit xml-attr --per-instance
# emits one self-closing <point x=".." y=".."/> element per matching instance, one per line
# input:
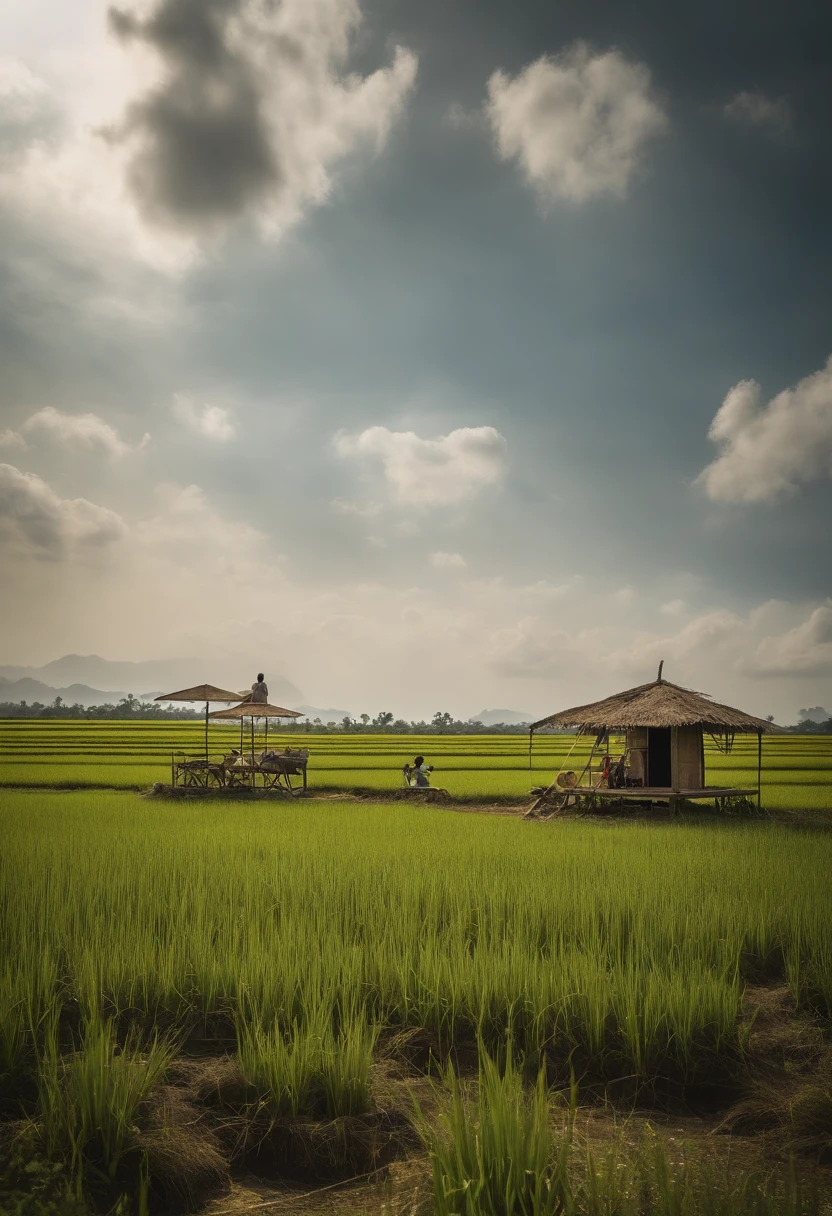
<point x="438" y="356"/>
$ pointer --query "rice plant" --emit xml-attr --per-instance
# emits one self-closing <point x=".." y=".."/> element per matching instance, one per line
<point x="312" y="1069"/>
<point x="284" y="1069"/>
<point x="345" y="1068"/>
<point x="89" y="1101"/>
<point x="495" y="1156"/>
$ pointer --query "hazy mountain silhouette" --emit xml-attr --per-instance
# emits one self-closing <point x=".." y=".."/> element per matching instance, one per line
<point x="164" y="675"/>
<point x="31" y="690"/>
<point x="511" y="717"/>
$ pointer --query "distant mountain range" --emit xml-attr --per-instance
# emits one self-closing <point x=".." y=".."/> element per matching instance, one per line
<point x="35" y="690"/>
<point x="326" y="715"/>
<point x="92" y="680"/>
<point x="511" y="717"/>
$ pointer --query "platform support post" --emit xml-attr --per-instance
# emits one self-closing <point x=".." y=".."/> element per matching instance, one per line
<point x="759" y="768"/>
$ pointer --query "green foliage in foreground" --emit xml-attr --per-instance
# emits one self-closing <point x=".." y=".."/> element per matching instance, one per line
<point x="622" y="949"/>
<point x="89" y="1099"/>
<point x="496" y="1155"/>
<point x="310" y="1069"/>
<point x="607" y="952"/>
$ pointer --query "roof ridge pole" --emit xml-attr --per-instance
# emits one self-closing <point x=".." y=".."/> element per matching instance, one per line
<point x="659" y="676"/>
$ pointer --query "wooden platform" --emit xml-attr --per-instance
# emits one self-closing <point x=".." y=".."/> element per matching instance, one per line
<point x="655" y="793"/>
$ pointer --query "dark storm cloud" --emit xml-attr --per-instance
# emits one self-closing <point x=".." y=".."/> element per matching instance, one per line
<point x="204" y="153"/>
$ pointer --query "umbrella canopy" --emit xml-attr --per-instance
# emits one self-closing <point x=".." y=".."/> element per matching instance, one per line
<point x="252" y="710"/>
<point x="256" y="709"/>
<point x="201" y="692"/>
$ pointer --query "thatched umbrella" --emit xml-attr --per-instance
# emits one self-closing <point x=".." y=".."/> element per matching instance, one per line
<point x="201" y="692"/>
<point x="252" y="710"/>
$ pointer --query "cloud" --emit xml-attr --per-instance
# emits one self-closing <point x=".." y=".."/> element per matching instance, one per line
<point x="211" y="421"/>
<point x="536" y="647"/>
<point x="11" y="439"/>
<point x="624" y="596"/>
<point x="34" y="518"/>
<point x="774" y="115"/>
<point x="85" y="430"/>
<point x="766" y="451"/>
<point x="28" y="109"/>
<point x="457" y="118"/>
<point x="187" y="518"/>
<point x="804" y="650"/>
<point x="209" y="583"/>
<point x="251" y="109"/>
<point x="577" y="123"/>
<point x="432" y="472"/>
<point x="447" y="561"/>
<point x="364" y="510"/>
<point x="673" y="608"/>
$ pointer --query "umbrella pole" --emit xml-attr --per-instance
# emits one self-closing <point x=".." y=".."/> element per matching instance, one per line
<point x="206" y="730"/>
<point x="252" y="752"/>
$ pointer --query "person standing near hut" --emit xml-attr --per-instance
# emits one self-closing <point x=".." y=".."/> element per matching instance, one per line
<point x="260" y="691"/>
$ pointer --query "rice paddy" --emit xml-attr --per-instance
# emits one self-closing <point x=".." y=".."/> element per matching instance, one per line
<point x="797" y="769"/>
<point x="315" y="990"/>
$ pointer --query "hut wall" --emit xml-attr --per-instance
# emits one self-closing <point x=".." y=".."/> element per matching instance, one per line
<point x="687" y="758"/>
<point x="637" y="748"/>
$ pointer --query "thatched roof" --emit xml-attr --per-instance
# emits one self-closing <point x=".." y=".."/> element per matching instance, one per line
<point x="659" y="703"/>
<point x="256" y="709"/>
<point x="201" y="692"/>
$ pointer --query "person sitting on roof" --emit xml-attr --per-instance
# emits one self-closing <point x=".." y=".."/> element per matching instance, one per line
<point x="259" y="691"/>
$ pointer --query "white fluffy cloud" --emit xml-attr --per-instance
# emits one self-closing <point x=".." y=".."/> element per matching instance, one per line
<point x="804" y="650"/>
<point x="432" y="472"/>
<point x="210" y="421"/>
<point x="576" y="124"/>
<point x="38" y="521"/>
<point x="755" y="109"/>
<point x="252" y="108"/>
<point x="447" y="561"/>
<point x="11" y="439"/>
<point x="768" y="450"/>
<point x="84" y="430"/>
<point x="209" y="113"/>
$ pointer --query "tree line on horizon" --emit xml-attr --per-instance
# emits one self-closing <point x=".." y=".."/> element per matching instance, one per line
<point x="132" y="708"/>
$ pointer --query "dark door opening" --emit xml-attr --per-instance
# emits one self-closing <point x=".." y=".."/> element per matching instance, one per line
<point x="658" y="757"/>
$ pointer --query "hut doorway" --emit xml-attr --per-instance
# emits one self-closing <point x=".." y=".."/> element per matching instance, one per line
<point x="659" y="773"/>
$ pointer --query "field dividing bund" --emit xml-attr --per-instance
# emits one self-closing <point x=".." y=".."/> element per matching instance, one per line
<point x="797" y="769"/>
<point x="274" y="969"/>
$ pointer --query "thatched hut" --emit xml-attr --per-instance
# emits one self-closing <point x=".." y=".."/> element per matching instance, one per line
<point x="664" y="750"/>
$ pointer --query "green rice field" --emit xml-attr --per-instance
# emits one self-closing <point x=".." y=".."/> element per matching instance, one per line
<point x="194" y="994"/>
<point x="797" y="769"/>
